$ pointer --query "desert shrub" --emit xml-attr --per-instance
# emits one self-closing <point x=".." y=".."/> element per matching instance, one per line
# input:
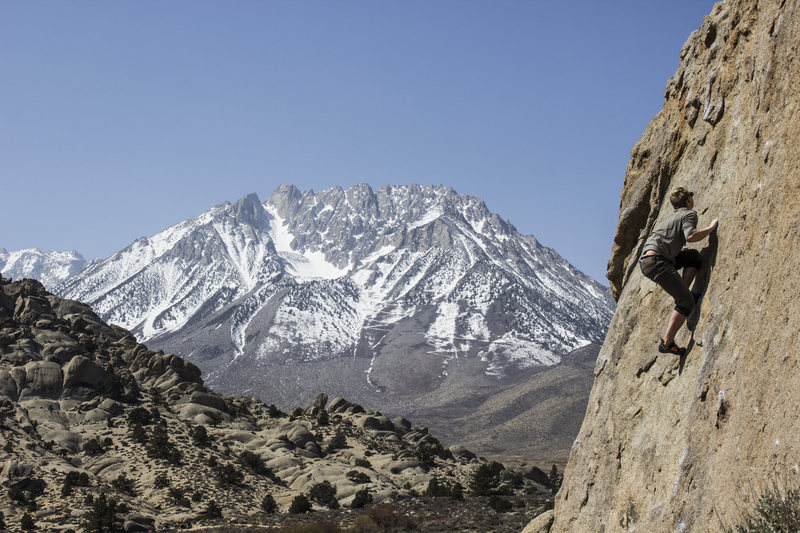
<point x="123" y="484"/>
<point x="363" y="463"/>
<point x="140" y="416"/>
<point x="161" y="481"/>
<point x="775" y="511"/>
<point x="428" y="452"/>
<point x="213" y="510"/>
<point x="77" y="479"/>
<point x="300" y="505"/>
<point x="338" y="442"/>
<point x="159" y="445"/>
<point x="324" y="493"/>
<point x="156" y="397"/>
<point x="254" y="462"/>
<point x="26" y="522"/>
<point x="501" y="505"/>
<point x="441" y="489"/>
<point x="32" y="506"/>
<point x="386" y="517"/>
<point x="268" y="504"/>
<point x="2" y="521"/>
<point x="365" y="524"/>
<point x="361" y="499"/>
<point x="212" y="462"/>
<point x="228" y="474"/>
<point x="484" y="480"/>
<point x="102" y="516"/>
<point x="175" y="494"/>
<point x="15" y="493"/>
<point x="138" y="434"/>
<point x="93" y="447"/>
<point x="555" y="478"/>
<point x="197" y="496"/>
<point x="274" y="412"/>
<point x="358" y="477"/>
<point x="322" y="418"/>
<point x="200" y="436"/>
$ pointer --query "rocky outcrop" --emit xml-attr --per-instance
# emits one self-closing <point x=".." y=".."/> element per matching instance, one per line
<point x="86" y="410"/>
<point x="684" y="444"/>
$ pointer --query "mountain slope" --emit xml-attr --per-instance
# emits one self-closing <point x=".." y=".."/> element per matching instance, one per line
<point x="87" y="414"/>
<point x="378" y="294"/>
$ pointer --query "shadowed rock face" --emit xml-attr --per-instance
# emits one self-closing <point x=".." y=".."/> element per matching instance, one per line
<point x="684" y="445"/>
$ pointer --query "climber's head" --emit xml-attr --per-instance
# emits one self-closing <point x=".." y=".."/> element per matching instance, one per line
<point x="681" y="197"/>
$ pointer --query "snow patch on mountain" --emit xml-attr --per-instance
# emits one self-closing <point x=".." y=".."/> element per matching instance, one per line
<point x="313" y="276"/>
<point x="50" y="268"/>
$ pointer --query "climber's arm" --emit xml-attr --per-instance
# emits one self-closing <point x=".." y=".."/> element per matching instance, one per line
<point x="700" y="234"/>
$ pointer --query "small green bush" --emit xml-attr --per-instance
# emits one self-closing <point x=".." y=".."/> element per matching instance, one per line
<point x="363" y="463"/>
<point x="93" y="447"/>
<point x="138" y="434"/>
<point x="123" y="484"/>
<point x="200" y="436"/>
<point x="139" y="416"/>
<point x="161" y="481"/>
<point x="213" y="510"/>
<point x="254" y="462"/>
<point x="300" y="505"/>
<point x="357" y="477"/>
<point x="501" y="505"/>
<point x="77" y="479"/>
<point x="102" y="516"/>
<point x="361" y="499"/>
<point x="324" y="493"/>
<point x="228" y="474"/>
<point x="26" y="522"/>
<point x="387" y="518"/>
<point x="484" y="480"/>
<point x="337" y="442"/>
<point x="555" y="478"/>
<point x="775" y="512"/>
<point x="268" y="504"/>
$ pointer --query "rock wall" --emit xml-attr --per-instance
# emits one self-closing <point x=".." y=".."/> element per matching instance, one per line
<point x="672" y="444"/>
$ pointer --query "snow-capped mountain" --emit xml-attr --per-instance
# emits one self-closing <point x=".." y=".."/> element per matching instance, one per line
<point x="385" y="291"/>
<point x="51" y="268"/>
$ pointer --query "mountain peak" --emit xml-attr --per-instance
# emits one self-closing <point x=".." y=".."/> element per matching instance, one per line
<point x="249" y="210"/>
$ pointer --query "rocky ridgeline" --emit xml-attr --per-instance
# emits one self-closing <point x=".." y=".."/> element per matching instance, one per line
<point x="85" y="410"/>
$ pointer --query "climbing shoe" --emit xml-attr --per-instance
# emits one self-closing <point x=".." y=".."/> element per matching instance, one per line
<point x="672" y="348"/>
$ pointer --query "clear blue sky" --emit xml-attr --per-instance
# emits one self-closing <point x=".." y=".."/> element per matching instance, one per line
<point x="118" y="119"/>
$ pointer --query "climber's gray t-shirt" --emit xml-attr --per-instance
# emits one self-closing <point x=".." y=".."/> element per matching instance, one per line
<point x="669" y="237"/>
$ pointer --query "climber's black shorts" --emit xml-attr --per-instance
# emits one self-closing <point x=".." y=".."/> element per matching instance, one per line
<point x="660" y="270"/>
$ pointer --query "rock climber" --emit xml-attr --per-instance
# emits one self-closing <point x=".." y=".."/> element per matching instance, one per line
<point x="664" y="255"/>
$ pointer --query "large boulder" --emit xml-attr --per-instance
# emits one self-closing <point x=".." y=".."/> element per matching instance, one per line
<point x="83" y="378"/>
<point x="8" y="387"/>
<point x="43" y="379"/>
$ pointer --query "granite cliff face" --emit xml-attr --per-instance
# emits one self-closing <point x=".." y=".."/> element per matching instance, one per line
<point x="673" y="444"/>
